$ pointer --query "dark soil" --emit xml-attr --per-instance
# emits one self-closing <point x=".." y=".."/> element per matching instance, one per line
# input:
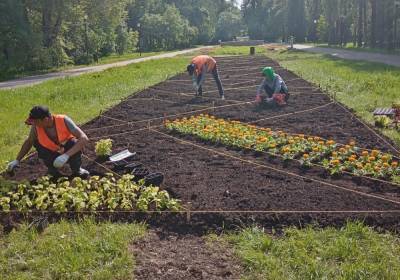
<point x="207" y="181"/>
<point x="171" y="256"/>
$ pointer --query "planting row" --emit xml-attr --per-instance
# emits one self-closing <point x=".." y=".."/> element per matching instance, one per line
<point x="128" y="164"/>
<point x="97" y="193"/>
<point x="308" y="150"/>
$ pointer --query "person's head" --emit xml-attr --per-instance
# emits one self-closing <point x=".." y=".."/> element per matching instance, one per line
<point x="190" y="68"/>
<point x="268" y="72"/>
<point x="40" y="116"/>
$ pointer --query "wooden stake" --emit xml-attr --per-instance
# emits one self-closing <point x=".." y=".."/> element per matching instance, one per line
<point x="188" y="216"/>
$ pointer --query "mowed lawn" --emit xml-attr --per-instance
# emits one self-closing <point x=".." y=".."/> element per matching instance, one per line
<point x="352" y="252"/>
<point x="70" y="250"/>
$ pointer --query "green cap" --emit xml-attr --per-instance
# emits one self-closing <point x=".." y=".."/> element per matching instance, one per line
<point x="268" y="72"/>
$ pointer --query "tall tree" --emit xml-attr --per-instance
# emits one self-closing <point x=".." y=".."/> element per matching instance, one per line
<point x="296" y="19"/>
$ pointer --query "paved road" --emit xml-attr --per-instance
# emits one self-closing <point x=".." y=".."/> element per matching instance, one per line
<point x="33" y="80"/>
<point x="393" y="60"/>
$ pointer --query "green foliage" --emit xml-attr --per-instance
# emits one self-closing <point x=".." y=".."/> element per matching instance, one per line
<point x="353" y="252"/>
<point x="96" y="193"/>
<point x="322" y="29"/>
<point x="69" y="250"/>
<point x="103" y="147"/>
<point x="40" y="35"/>
<point x="229" y="25"/>
<point x="382" y="121"/>
<point x="168" y="30"/>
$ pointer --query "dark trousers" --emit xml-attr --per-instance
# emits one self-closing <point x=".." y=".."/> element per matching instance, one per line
<point x="217" y="80"/>
<point x="49" y="156"/>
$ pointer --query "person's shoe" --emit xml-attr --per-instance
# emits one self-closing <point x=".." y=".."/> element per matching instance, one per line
<point x="83" y="173"/>
<point x="223" y="97"/>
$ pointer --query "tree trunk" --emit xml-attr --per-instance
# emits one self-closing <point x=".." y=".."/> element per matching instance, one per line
<point x="360" y="24"/>
<point x="380" y="28"/>
<point x="51" y="27"/>
<point x="365" y="31"/>
<point x="373" y="24"/>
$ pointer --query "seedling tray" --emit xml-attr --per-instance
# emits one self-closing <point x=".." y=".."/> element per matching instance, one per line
<point x="140" y="173"/>
<point x="155" y="179"/>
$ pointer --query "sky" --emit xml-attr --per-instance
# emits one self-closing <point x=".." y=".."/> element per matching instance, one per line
<point x="239" y="2"/>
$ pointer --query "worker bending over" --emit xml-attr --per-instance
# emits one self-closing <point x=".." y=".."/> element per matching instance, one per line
<point x="275" y="88"/>
<point x="198" y="68"/>
<point x="57" y="139"/>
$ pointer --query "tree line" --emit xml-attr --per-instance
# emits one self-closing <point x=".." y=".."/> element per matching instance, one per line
<point x="40" y="34"/>
<point x="365" y="23"/>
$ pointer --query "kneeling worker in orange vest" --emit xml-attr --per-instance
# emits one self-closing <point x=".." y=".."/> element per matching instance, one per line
<point x="57" y="139"/>
<point x="198" y="68"/>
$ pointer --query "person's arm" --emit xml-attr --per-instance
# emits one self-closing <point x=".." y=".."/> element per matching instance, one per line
<point x="276" y="84"/>
<point x="27" y="145"/>
<point x="202" y="75"/>
<point x="284" y="87"/>
<point x="79" y="135"/>
<point x="194" y="80"/>
<point x="261" y="87"/>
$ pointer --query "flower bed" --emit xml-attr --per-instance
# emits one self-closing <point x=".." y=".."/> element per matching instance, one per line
<point x="106" y="193"/>
<point x="308" y="150"/>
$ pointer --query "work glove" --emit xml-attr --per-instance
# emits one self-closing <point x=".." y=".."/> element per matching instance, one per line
<point x="11" y="165"/>
<point x="258" y="98"/>
<point x="60" y="161"/>
<point x="269" y="100"/>
<point x="222" y="97"/>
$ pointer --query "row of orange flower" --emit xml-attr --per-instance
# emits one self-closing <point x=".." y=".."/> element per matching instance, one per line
<point x="309" y="150"/>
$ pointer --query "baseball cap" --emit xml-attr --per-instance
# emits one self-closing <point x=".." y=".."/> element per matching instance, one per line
<point x="37" y="113"/>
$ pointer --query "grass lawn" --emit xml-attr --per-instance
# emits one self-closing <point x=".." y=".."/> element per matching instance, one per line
<point x="350" y="47"/>
<point x="4" y="76"/>
<point x="353" y="252"/>
<point x="359" y="85"/>
<point x="67" y="250"/>
<point x="232" y="50"/>
<point x="80" y="97"/>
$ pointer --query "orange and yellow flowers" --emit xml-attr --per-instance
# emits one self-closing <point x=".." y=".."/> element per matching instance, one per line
<point x="307" y="150"/>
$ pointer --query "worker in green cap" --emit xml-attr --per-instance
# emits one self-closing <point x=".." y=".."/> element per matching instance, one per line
<point x="274" y="86"/>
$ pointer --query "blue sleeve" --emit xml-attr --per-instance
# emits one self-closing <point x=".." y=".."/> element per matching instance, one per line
<point x="261" y="87"/>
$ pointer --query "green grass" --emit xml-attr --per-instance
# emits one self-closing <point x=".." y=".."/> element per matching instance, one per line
<point x="233" y="50"/>
<point x="359" y="85"/>
<point x="80" y="97"/>
<point x="353" y="252"/>
<point x="66" y="250"/>
<point x="116" y="58"/>
<point x="4" y="76"/>
<point x="350" y="47"/>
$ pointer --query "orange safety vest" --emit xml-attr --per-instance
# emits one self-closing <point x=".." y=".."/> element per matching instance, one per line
<point x="202" y="60"/>
<point x="62" y="131"/>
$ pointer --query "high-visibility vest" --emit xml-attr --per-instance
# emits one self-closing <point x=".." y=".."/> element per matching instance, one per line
<point x="63" y="134"/>
<point x="202" y="60"/>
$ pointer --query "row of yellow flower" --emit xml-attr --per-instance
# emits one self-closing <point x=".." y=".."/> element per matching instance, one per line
<point x="308" y="149"/>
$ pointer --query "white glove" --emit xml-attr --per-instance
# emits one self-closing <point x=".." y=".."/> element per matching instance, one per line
<point x="270" y="100"/>
<point x="11" y="165"/>
<point x="60" y="161"/>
